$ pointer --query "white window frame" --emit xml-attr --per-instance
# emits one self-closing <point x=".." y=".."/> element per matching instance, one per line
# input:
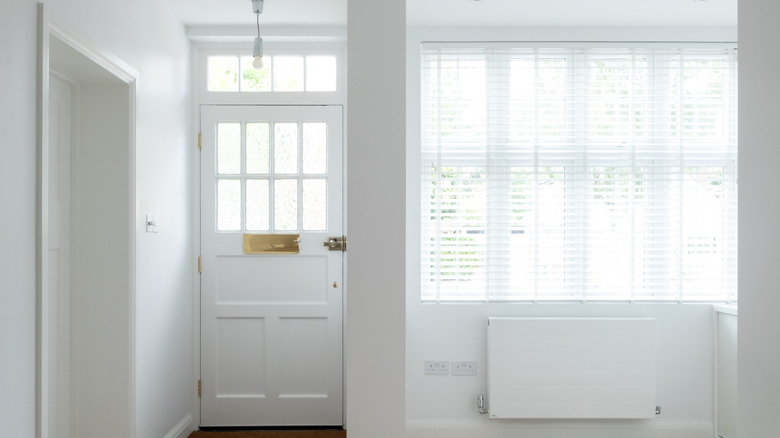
<point x="578" y="288"/>
<point x="202" y="51"/>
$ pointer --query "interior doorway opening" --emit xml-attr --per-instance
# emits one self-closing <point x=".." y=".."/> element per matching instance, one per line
<point x="86" y="241"/>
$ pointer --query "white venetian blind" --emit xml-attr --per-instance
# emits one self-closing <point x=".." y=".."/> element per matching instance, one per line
<point x="579" y="173"/>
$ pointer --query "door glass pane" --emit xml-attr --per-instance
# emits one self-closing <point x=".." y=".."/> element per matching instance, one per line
<point x="315" y="148"/>
<point x="286" y="148"/>
<point x="320" y="73"/>
<point x="288" y="73"/>
<point x="228" y="205"/>
<point x="253" y="79"/>
<point x="257" y="148"/>
<point x="315" y="205"/>
<point x="286" y="204"/>
<point x="222" y="73"/>
<point x="257" y="206"/>
<point x="229" y="148"/>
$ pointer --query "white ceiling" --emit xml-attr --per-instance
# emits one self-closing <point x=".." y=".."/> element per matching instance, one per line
<point x="472" y="12"/>
<point x="572" y="12"/>
<point x="275" y="12"/>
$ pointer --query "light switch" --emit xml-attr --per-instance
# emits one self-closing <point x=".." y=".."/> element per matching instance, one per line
<point x="151" y="223"/>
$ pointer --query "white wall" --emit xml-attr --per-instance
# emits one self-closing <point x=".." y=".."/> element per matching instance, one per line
<point x="458" y="331"/>
<point x="17" y="219"/>
<point x="374" y="353"/>
<point x="102" y="314"/>
<point x="726" y="376"/>
<point x="147" y="37"/>
<point x="759" y="209"/>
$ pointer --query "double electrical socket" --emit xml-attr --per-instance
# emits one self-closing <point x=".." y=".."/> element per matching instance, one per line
<point x="464" y="368"/>
<point x="437" y="367"/>
<point x="459" y="368"/>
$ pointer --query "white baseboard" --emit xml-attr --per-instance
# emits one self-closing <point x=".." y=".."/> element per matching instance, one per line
<point x="182" y="428"/>
<point x="558" y="429"/>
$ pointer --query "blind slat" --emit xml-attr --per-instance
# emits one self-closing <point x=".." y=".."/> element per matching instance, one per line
<point x="579" y="173"/>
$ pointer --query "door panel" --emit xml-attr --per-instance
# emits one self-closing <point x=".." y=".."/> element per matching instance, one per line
<point x="271" y="323"/>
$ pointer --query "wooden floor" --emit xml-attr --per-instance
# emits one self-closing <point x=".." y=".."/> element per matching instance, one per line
<point x="318" y="433"/>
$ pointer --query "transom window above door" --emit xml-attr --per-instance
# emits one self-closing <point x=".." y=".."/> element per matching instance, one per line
<point x="280" y="73"/>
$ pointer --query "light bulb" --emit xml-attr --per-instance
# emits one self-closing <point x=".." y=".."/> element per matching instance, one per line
<point x="257" y="52"/>
<point x="258" y="62"/>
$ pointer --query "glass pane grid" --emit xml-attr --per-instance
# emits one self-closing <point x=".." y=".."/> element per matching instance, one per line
<point x="222" y="73"/>
<point x="257" y="205"/>
<point x="228" y="204"/>
<point x="285" y="148"/>
<point x="315" y="148"/>
<point x="268" y="190"/>
<point x="253" y="79"/>
<point x="288" y="73"/>
<point x="280" y="74"/>
<point x="258" y="148"/>
<point x="321" y="73"/>
<point x="229" y="148"/>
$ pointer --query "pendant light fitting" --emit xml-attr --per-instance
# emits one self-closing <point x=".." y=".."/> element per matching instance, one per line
<point x="257" y="49"/>
<point x="257" y="6"/>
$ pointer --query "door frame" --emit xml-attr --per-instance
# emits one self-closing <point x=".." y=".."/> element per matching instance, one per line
<point x="47" y="356"/>
<point x="304" y="40"/>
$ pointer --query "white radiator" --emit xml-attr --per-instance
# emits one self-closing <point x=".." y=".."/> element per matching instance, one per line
<point x="571" y="367"/>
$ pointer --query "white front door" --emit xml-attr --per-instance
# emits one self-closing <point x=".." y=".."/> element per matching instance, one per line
<point x="271" y="313"/>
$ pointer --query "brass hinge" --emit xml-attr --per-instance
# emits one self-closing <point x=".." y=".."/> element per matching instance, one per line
<point x="200" y="264"/>
<point x="200" y="140"/>
<point x="200" y="387"/>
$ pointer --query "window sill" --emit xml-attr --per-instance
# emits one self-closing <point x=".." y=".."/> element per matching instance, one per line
<point x="730" y="309"/>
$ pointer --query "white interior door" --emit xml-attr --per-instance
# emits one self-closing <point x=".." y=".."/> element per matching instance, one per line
<point x="59" y="202"/>
<point x="271" y="322"/>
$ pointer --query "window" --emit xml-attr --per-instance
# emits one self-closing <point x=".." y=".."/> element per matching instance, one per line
<point x="280" y="73"/>
<point x="280" y="168"/>
<point x="578" y="173"/>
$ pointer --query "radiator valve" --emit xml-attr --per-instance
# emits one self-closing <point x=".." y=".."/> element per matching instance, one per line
<point x="481" y="404"/>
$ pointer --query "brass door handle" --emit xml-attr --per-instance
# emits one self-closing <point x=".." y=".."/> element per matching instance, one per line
<point x="336" y="243"/>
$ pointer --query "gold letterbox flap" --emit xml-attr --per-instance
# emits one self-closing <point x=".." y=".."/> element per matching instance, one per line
<point x="271" y="243"/>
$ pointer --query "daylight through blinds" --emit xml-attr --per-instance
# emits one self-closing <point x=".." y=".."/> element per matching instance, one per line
<point x="579" y="173"/>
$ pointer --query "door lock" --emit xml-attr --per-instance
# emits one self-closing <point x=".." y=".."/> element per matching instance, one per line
<point x="336" y="243"/>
